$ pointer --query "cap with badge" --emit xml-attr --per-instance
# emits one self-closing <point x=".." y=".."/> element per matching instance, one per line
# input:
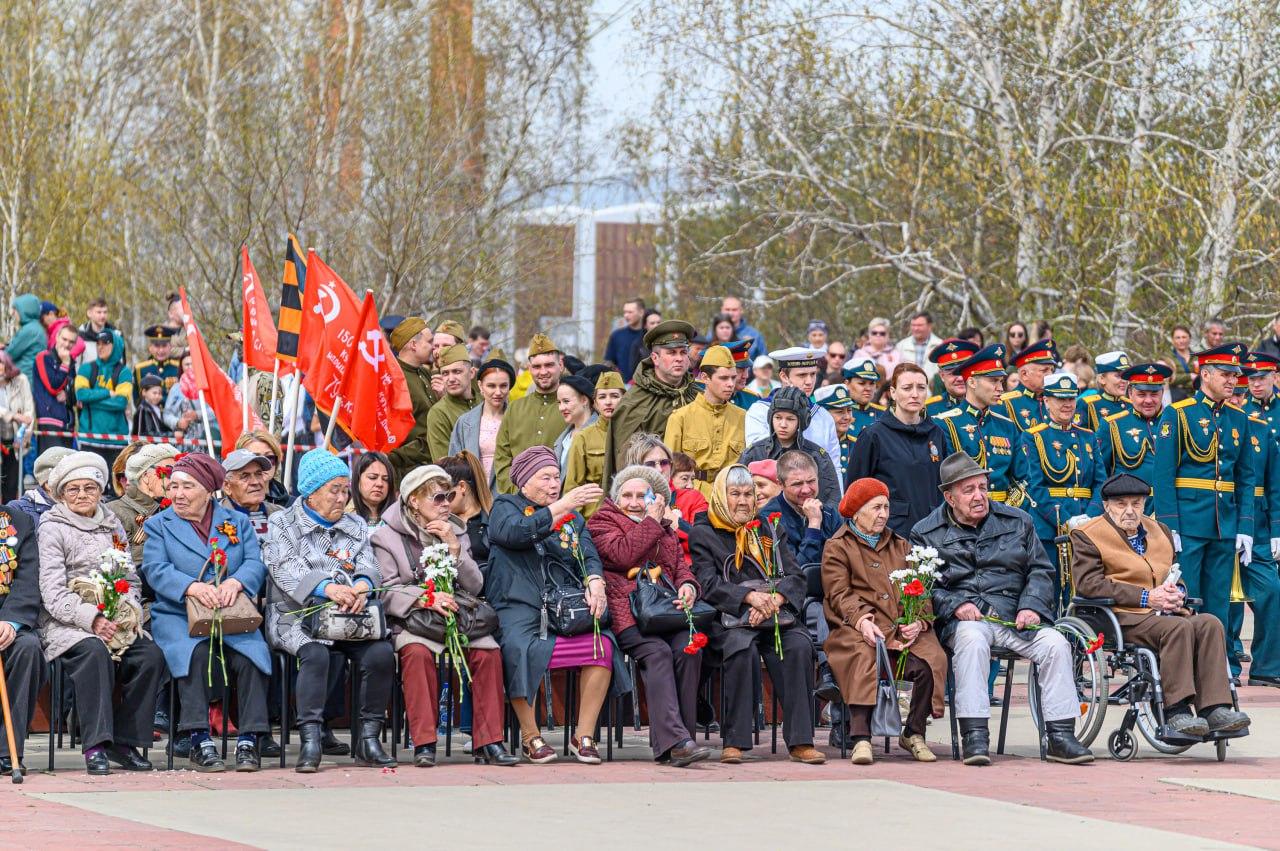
<point x="610" y="380"/>
<point x="449" y="355"/>
<point x="716" y="357"/>
<point x="1041" y="351"/>
<point x="863" y="368"/>
<point x="796" y="357"/>
<point x="669" y="334"/>
<point x="1152" y="375"/>
<point x="985" y="362"/>
<point x="1225" y="357"/>
<point x="740" y="350"/>
<point x="949" y="354"/>
<point x="409" y="328"/>
<point x="159" y="333"/>
<point x="834" y="397"/>
<point x="541" y="344"/>
<point x="453" y="329"/>
<point x="1061" y="385"/>
<point x="1111" y="362"/>
<point x="1261" y="362"/>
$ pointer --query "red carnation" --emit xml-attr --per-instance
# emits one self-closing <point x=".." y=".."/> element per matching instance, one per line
<point x="752" y="524"/>
<point x="560" y="524"/>
<point x="691" y="649"/>
<point x="101" y="607"/>
<point x="122" y="586"/>
<point x="166" y="502"/>
<point x="914" y="588"/>
<point x="775" y="517"/>
<point x="213" y="542"/>
<point x="699" y="640"/>
<point x="1094" y="645"/>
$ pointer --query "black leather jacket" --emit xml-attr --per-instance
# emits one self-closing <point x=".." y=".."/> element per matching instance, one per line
<point x="1000" y="566"/>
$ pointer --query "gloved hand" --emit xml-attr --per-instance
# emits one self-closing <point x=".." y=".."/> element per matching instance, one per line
<point x="1244" y="546"/>
<point x="1177" y="541"/>
<point x="1275" y="548"/>
<point x="1077" y="521"/>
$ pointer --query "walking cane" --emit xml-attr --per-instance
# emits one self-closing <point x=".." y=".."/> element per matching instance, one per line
<point x="8" y="727"/>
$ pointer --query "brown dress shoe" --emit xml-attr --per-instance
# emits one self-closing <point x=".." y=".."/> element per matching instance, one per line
<point x="916" y="746"/>
<point x="537" y="751"/>
<point x="731" y="756"/>
<point x="807" y="754"/>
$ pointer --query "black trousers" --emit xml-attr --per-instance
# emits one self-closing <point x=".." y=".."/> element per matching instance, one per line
<point x="375" y="661"/>
<point x="792" y="677"/>
<point x="10" y="473"/>
<point x="23" y="673"/>
<point x="670" y="684"/>
<point x="195" y="691"/>
<point x="94" y="675"/>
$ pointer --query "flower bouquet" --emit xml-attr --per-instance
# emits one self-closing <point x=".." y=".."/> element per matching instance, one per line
<point x="697" y="640"/>
<point x="914" y="584"/>
<point x="439" y="573"/>
<point x="106" y="588"/>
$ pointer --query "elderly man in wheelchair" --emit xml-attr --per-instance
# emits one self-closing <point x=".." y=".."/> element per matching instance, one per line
<point x="1121" y="566"/>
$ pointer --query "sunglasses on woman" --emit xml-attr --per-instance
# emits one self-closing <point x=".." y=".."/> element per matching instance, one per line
<point x="444" y="498"/>
<point x="664" y="464"/>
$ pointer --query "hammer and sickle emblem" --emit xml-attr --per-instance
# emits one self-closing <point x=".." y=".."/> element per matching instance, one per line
<point x="327" y="294"/>
<point x="373" y="355"/>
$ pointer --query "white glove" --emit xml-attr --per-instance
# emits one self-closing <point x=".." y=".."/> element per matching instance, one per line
<point x="1244" y="546"/>
<point x="1275" y="548"/>
<point x="1077" y="521"/>
<point x="1177" y="541"/>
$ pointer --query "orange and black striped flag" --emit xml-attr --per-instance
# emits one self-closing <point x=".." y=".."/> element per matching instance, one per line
<point x="294" y="282"/>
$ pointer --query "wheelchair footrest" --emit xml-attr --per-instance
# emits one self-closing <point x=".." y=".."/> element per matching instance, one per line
<point x="1232" y="734"/>
<point x="1172" y="737"/>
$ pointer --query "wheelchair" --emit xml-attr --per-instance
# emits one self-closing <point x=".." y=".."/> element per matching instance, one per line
<point x="1141" y="689"/>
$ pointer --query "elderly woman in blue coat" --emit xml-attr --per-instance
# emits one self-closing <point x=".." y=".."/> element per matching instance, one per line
<point x="177" y="562"/>
<point x="316" y="550"/>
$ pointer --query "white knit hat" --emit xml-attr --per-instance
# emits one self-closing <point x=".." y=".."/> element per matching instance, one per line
<point x="77" y="466"/>
<point x="418" y="477"/>
<point x="146" y="457"/>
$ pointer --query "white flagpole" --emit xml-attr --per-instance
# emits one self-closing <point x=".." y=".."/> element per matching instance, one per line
<point x="244" y="397"/>
<point x="292" y="408"/>
<point x="333" y="421"/>
<point x="275" y="388"/>
<point x="204" y="417"/>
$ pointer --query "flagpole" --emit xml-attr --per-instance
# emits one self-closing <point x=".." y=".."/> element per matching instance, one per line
<point x="244" y="398"/>
<point x="275" y="387"/>
<point x="204" y="417"/>
<point x="292" y="407"/>
<point x="333" y="421"/>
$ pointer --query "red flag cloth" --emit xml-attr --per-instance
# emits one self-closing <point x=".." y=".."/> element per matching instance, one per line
<point x="257" y="327"/>
<point x="330" y="316"/>
<point x="220" y="392"/>
<point x="376" y="408"/>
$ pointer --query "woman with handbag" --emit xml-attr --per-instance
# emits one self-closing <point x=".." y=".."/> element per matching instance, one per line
<point x="103" y="652"/>
<point x="539" y="586"/>
<point x="634" y="531"/>
<point x="758" y="589"/>
<point x="203" y="564"/>
<point x="862" y="605"/>
<point x="421" y="518"/>
<point x="318" y="600"/>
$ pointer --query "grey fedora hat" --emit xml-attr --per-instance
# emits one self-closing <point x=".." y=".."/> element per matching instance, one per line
<point x="959" y="466"/>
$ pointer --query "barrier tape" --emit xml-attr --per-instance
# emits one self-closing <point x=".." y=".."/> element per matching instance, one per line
<point x="129" y="438"/>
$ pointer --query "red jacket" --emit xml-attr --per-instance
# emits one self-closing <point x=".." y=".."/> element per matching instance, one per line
<point x="691" y="503"/>
<point x="623" y="544"/>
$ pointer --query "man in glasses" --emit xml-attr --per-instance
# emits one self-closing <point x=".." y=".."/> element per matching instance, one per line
<point x="837" y="354"/>
<point x="661" y="384"/>
<point x="245" y="488"/>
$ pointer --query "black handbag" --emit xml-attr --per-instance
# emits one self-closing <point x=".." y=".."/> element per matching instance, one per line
<point x="786" y="616"/>
<point x="886" y="717"/>
<point x="653" y="607"/>
<point x="564" y="601"/>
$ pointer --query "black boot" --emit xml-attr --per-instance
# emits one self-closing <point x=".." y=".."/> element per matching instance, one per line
<point x="330" y="745"/>
<point x="1063" y="744"/>
<point x="827" y="689"/>
<point x="975" y="741"/>
<point x="496" y="754"/>
<point x="424" y="756"/>
<point x="368" y="749"/>
<point x="308" y="748"/>
<point x="268" y="747"/>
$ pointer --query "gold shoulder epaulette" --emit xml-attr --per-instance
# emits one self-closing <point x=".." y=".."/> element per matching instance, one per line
<point x="953" y="412"/>
<point x="933" y="399"/>
<point x="1010" y="394"/>
<point x="1190" y="400"/>
<point x="1117" y="415"/>
<point x="1037" y="428"/>
<point x="877" y="406"/>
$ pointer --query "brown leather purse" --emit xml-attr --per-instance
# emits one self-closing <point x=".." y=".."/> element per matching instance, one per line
<point x="240" y="617"/>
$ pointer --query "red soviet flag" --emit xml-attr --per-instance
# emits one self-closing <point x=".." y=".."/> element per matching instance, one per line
<point x="220" y="392"/>
<point x="376" y="408"/>
<point x="257" y="327"/>
<point x="330" y="316"/>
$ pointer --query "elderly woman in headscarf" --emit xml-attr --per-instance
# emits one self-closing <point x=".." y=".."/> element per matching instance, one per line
<point x="525" y="549"/>
<point x="419" y="519"/>
<point x="747" y="577"/>
<point x="145" y="475"/>
<point x="634" y="530"/>
<point x="97" y="635"/>
<point x="183" y="558"/>
<point x="863" y="606"/>
<point x="317" y="551"/>
<point x="789" y="414"/>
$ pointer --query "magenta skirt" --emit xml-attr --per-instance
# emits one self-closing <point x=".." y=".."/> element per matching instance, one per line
<point x="577" y="651"/>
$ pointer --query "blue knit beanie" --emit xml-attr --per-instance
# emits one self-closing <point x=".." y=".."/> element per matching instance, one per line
<point x="317" y="468"/>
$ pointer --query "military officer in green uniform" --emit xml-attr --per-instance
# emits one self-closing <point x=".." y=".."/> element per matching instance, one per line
<point x="660" y="384"/>
<point x="457" y="380"/>
<point x="1204" y="480"/>
<point x="835" y="398"/>
<point x="1057" y="462"/>
<point x="1093" y="410"/>
<point x="1128" y="439"/>
<point x="161" y="364"/>
<point x="1259" y="578"/>
<point x="1262" y="389"/>
<point x="860" y="379"/>
<point x="976" y="428"/>
<point x="533" y="419"/>
<point x="948" y="355"/>
<point x="1025" y="406"/>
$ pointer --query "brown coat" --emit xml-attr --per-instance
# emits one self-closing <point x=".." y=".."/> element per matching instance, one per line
<point x="1103" y="565"/>
<point x="855" y="584"/>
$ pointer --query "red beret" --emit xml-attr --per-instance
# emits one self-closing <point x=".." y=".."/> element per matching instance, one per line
<point x="859" y="493"/>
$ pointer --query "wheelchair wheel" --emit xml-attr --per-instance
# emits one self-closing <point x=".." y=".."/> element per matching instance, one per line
<point x="1147" y="722"/>
<point x="1090" y="678"/>
<point x="1221" y="747"/>
<point x="1122" y="745"/>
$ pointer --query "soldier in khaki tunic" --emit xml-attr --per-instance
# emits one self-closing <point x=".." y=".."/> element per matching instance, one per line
<point x="411" y="341"/>
<point x="585" y="464"/>
<point x="457" y="381"/>
<point x="533" y="419"/>
<point x="710" y="429"/>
